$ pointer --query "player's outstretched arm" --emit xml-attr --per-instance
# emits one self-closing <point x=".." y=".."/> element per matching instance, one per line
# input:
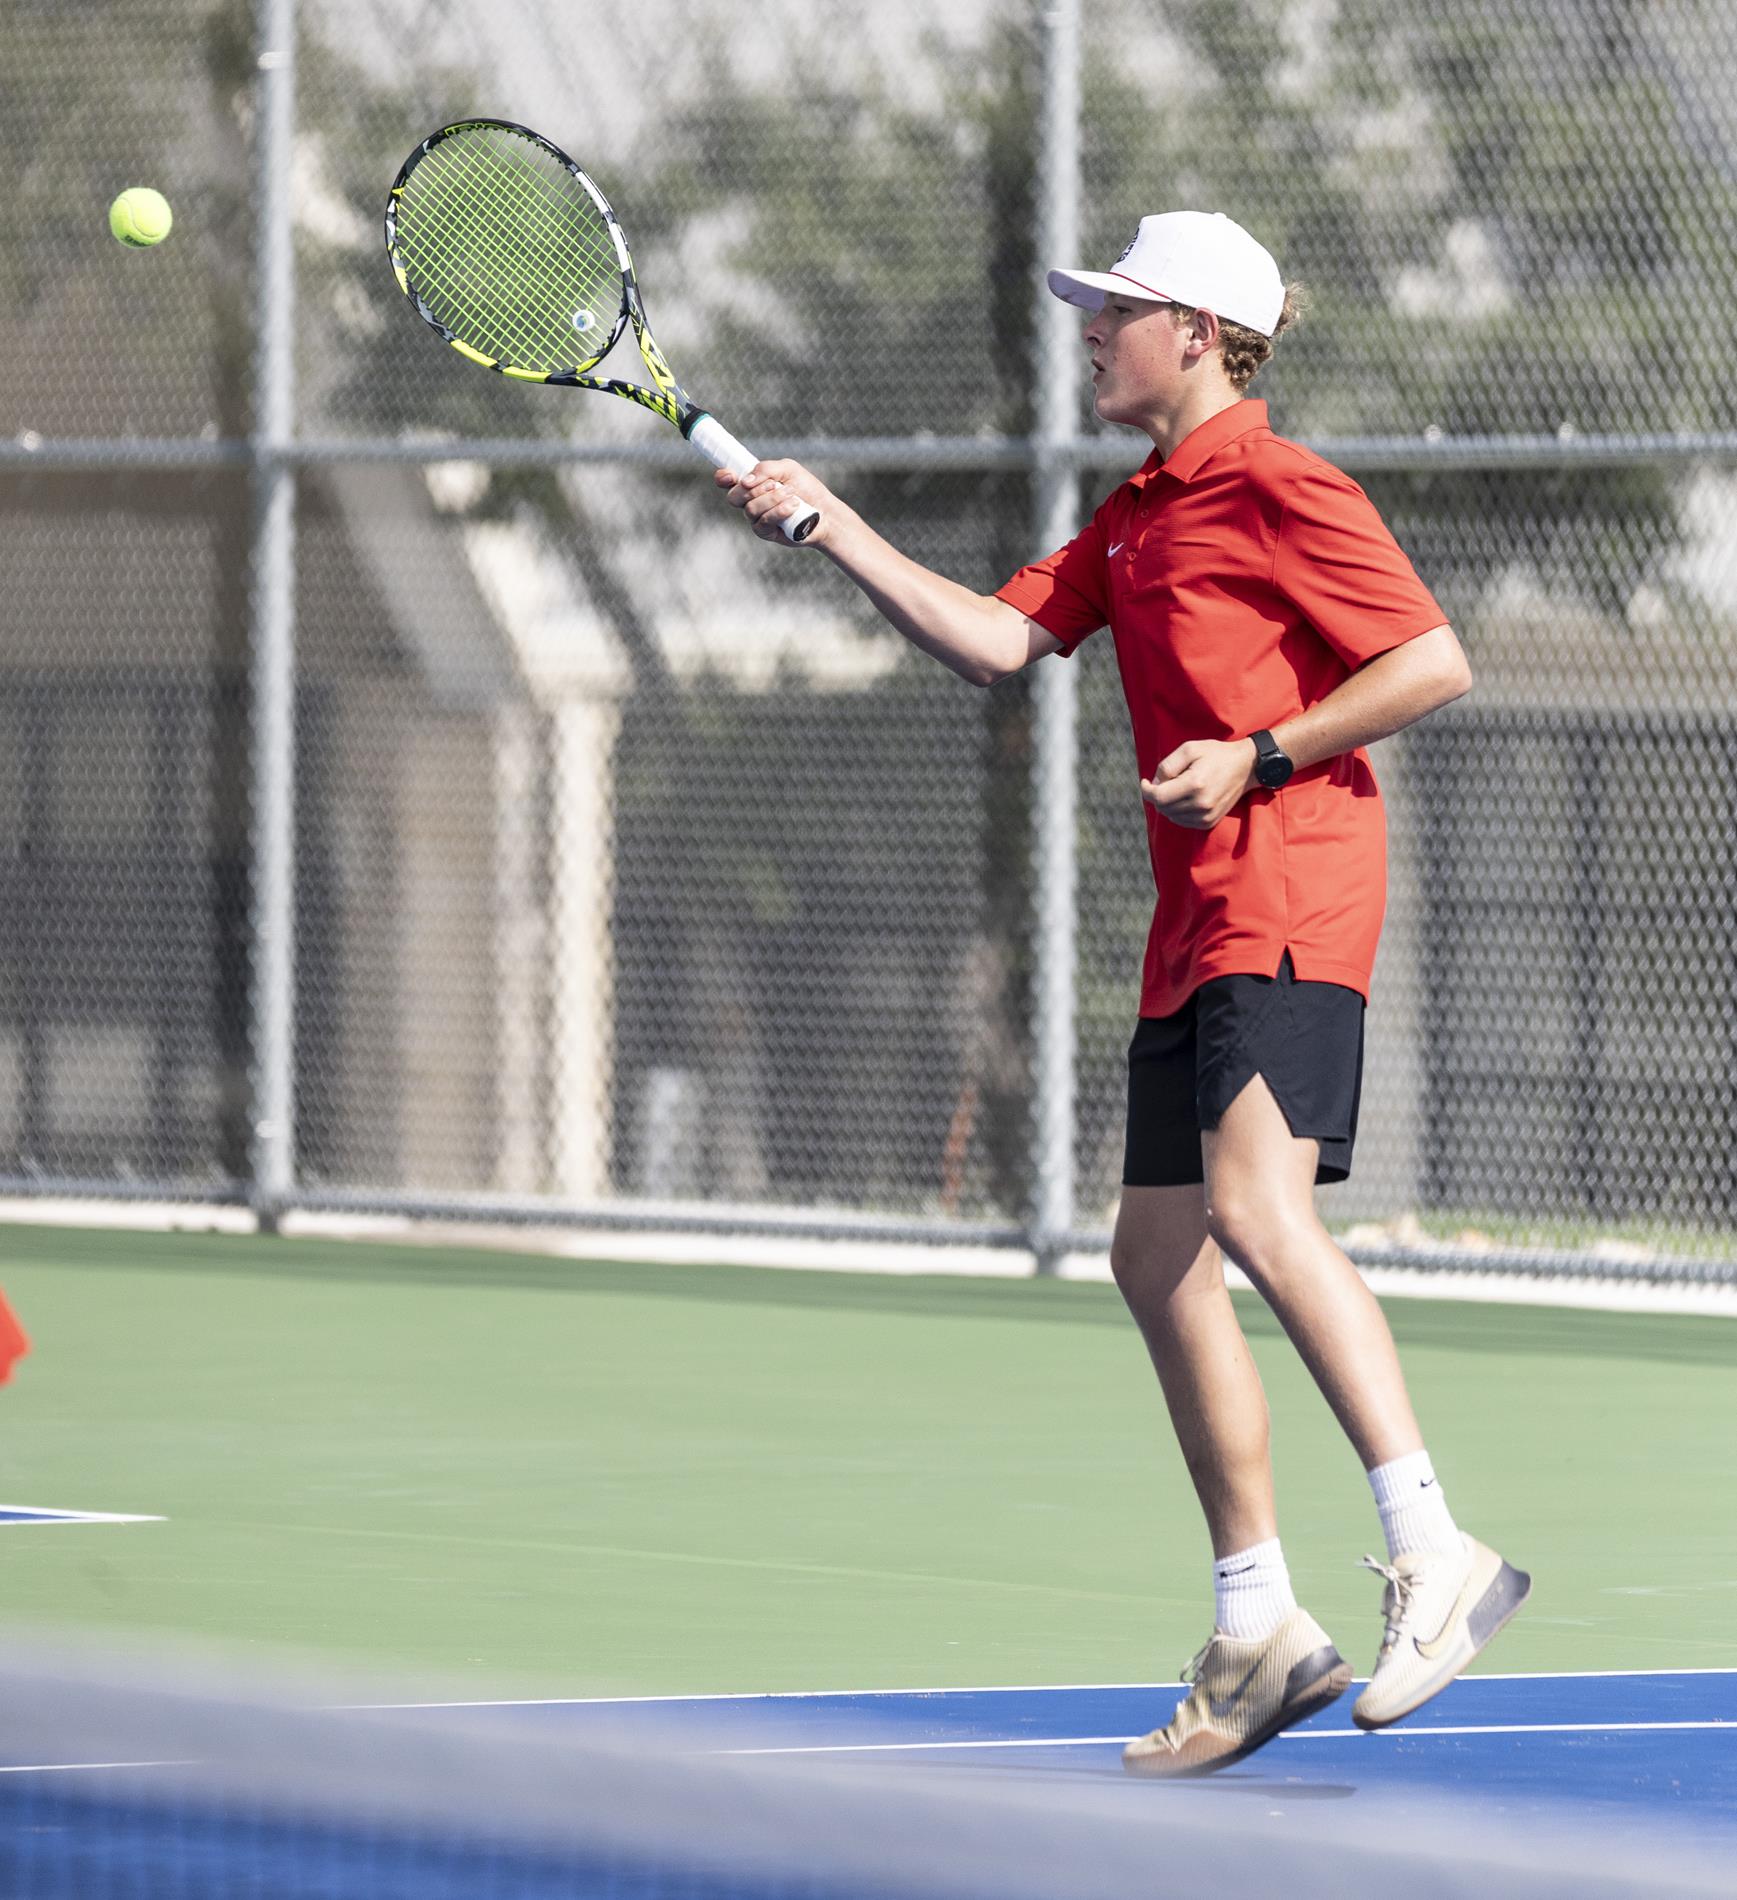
<point x="980" y="638"/>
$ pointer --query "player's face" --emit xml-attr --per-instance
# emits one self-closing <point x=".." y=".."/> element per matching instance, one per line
<point x="1137" y="358"/>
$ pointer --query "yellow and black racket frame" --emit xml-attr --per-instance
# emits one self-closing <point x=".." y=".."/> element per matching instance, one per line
<point x="668" y="399"/>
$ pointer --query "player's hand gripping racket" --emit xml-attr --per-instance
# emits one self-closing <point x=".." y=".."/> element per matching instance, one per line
<point x="513" y="255"/>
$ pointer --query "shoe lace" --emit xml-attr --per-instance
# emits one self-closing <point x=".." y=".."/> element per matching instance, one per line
<point x="1394" y="1602"/>
<point x="1191" y="1671"/>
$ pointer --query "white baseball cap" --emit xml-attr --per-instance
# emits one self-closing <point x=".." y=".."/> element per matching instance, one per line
<point x="1199" y="258"/>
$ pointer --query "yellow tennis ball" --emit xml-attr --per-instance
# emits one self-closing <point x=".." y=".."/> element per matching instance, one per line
<point x="140" y="217"/>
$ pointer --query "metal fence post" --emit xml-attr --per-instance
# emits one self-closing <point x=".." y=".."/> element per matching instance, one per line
<point x="272" y="630"/>
<point x="1056" y="488"/>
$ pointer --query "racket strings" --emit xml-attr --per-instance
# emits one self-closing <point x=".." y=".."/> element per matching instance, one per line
<point x="582" y="217"/>
<point x="476" y="240"/>
<point x="475" y="185"/>
<point x="594" y="268"/>
<point x="511" y="255"/>
<point x="444" y="245"/>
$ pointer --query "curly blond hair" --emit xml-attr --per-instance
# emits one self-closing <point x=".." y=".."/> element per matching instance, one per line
<point x="1244" y="350"/>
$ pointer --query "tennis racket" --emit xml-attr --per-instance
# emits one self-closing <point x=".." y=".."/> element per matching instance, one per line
<point x="509" y="251"/>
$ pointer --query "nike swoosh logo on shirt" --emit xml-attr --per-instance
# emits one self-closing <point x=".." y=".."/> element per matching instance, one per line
<point x="1120" y="545"/>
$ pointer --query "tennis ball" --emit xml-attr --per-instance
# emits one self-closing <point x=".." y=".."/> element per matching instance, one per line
<point x="140" y="217"/>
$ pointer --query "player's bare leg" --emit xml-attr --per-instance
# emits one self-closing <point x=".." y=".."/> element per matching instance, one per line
<point x="1280" y="1666"/>
<point x="1446" y="1594"/>
<point x="1172" y="1276"/>
<point x="1261" y="1211"/>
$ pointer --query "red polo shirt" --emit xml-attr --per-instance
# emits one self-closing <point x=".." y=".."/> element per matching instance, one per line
<point x="1243" y="580"/>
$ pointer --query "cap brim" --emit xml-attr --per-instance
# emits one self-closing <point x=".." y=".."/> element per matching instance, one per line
<point x="1089" y="288"/>
<point x="1086" y="289"/>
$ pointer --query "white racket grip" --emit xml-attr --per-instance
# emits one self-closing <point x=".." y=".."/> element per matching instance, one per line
<point x="722" y="450"/>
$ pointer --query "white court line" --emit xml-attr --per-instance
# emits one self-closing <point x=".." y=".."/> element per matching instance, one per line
<point x="72" y="1767"/>
<point x="1292" y="1735"/>
<point x="1053" y="1741"/>
<point x="41" y="1514"/>
<point x="900" y="1748"/>
<point x="566" y="1547"/>
<point x="1429" y="1277"/>
<point x="770" y="1695"/>
<point x="1505" y="1728"/>
<point x="1032" y="1688"/>
<point x="1585" y="1675"/>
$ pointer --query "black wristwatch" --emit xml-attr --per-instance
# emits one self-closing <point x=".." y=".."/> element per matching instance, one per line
<point x="1273" y="766"/>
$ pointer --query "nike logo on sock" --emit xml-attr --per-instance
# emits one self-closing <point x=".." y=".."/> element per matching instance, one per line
<point x="1241" y="1571"/>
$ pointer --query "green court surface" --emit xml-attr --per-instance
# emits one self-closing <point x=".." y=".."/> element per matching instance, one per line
<point x="542" y="1477"/>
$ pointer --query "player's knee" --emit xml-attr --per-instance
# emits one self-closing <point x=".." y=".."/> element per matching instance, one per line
<point x="1245" y="1225"/>
<point x="1268" y="1239"/>
<point x="1152" y="1268"/>
<point x="1134" y="1264"/>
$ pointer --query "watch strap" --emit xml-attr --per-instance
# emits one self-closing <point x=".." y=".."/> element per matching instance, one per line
<point x="1273" y="764"/>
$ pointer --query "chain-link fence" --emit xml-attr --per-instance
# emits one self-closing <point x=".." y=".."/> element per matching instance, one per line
<point x="636" y="871"/>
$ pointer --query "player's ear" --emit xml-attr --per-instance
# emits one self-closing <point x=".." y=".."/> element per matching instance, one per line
<point x="1203" y="333"/>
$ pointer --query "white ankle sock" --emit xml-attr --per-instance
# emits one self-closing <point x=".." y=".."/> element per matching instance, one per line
<point x="1414" y="1514"/>
<point x="1253" y="1588"/>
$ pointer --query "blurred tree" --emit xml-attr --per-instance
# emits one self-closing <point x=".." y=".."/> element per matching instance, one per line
<point x="1512" y="219"/>
<point x="881" y="284"/>
<point x="94" y="341"/>
<point x="887" y="234"/>
<point x="1493" y="209"/>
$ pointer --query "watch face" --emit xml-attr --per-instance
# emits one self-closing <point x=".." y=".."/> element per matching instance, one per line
<point x="1273" y="770"/>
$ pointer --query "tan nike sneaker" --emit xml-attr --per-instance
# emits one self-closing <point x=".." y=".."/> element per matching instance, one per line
<point x="1241" y="1694"/>
<point x="1440" y="1610"/>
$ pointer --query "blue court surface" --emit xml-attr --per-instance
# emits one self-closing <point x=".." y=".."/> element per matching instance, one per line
<point x="1640" y="1748"/>
<point x="1565" y="1787"/>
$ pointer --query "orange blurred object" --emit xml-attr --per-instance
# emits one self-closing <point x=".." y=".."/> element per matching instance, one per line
<point x="14" y="1340"/>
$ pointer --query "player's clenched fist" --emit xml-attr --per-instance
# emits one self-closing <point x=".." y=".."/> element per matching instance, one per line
<point x="1198" y="783"/>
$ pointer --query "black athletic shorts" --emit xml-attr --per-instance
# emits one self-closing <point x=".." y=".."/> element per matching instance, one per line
<point x="1185" y="1070"/>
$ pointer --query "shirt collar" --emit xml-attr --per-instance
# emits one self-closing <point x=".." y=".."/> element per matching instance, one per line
<point x="1200" y="445"/>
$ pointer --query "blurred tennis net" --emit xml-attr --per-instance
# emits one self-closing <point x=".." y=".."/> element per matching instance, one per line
<point x="134" y="1780"/>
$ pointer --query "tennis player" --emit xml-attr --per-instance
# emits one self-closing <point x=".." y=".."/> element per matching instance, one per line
<point x="1268" y="628"/>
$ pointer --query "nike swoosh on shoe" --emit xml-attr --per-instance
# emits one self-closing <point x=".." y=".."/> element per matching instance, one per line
<point x="1433" y="1648"/>
<point x="1221" y="1706"/>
